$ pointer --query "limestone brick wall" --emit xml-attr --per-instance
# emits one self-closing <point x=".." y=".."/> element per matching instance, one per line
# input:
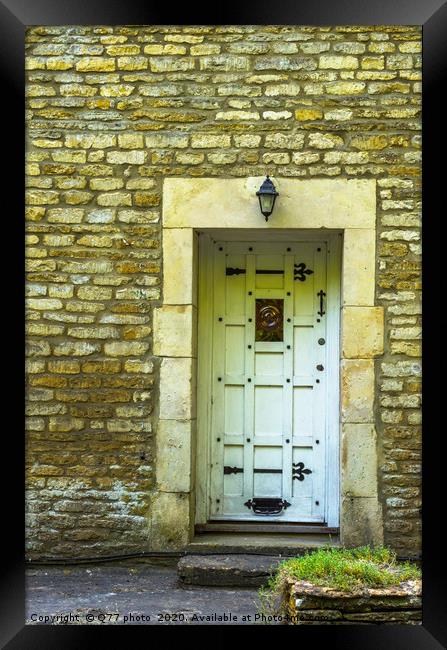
<point x="110" y="113"/>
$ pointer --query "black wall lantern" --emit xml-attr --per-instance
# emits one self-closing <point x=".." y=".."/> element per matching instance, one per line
<point x="267" y="196"/>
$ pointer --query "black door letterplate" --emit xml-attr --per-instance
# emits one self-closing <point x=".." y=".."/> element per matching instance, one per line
<point x="267" y="506"/>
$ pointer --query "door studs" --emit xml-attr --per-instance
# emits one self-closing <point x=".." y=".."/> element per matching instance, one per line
<point x="320" y="367"/>
<point x="321" y="341"/>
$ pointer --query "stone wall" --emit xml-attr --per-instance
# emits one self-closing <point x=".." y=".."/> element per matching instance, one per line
<point x="308" y="604"/>
<point x="113" y="111"/>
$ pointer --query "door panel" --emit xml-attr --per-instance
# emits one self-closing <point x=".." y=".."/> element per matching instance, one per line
<point x="269" y="400"/>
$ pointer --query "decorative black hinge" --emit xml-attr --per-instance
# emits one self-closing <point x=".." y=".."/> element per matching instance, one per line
<point x="300" y="272"/>
<point x="256" y="470"/>
<point x="266" y="471"/>
<point x="298" y="471"/>
<point x="235" y="271"/>
<point x="233" y="470"/>
<point x="267" y="506"/>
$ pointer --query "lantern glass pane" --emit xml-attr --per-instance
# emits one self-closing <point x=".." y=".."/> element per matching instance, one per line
<point x="267" y="202"/>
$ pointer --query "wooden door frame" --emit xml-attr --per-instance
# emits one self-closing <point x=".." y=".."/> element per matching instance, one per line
<point x="333" y="239"/>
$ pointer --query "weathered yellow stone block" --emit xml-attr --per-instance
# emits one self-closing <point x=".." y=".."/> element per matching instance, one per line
<point x="179" y="286"/>
<point x="304" y="114"/>
<point x="125" y="348"/>
<point x="362" y="332"/>
<point x="130" y="141"/>
<point x="357" y="390"/>
<point x="338" y="62"/>
<point x="370" y="142"/>
<point x="169" y="49"/>
<point x="361" y="521"/>
<point x="209" y="140"/>
<point x="170" y="521"/>
<point x="345" y="88"/>
<point x="358" y="262"/>
<point x="176" y="389"/>
<point x="173" y="470"/>
<point x="373" y="62"/>
<point x="116" y="90"/>
<point x="95" y="64"/>
<point x="123" y="50"/>
<point x="34" y="214"/>
<point x="359" y="460"/>
<point x="59" y="63"/>
<point x="174" y="330"/>
<point x="37" y="197"/>
<point x="200" y="50"/>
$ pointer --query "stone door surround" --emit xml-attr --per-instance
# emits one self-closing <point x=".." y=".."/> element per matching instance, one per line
<point x="342" y="204"/>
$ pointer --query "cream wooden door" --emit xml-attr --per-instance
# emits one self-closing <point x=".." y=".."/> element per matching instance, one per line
<point x="269" y="382"/>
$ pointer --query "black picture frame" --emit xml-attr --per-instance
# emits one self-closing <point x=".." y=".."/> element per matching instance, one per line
<point x="15" y="16"/>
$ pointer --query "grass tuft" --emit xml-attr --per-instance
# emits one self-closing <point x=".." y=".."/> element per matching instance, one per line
<point x="346" y="569"/>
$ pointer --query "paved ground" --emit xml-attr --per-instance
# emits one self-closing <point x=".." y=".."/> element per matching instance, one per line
<point x="145" y="594"/>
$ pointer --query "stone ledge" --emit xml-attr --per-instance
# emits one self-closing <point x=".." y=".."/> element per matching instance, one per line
<point x="307" y="603"/>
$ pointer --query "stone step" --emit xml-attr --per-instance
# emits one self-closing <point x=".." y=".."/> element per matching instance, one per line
<point x="227" y="570"/>
<point x="274" y="545"/>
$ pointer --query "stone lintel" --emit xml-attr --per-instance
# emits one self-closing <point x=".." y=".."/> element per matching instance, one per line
<point x="232" y="203"/>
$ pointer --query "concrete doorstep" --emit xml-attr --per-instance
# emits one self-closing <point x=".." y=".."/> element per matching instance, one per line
<point x="227" y="570"/>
